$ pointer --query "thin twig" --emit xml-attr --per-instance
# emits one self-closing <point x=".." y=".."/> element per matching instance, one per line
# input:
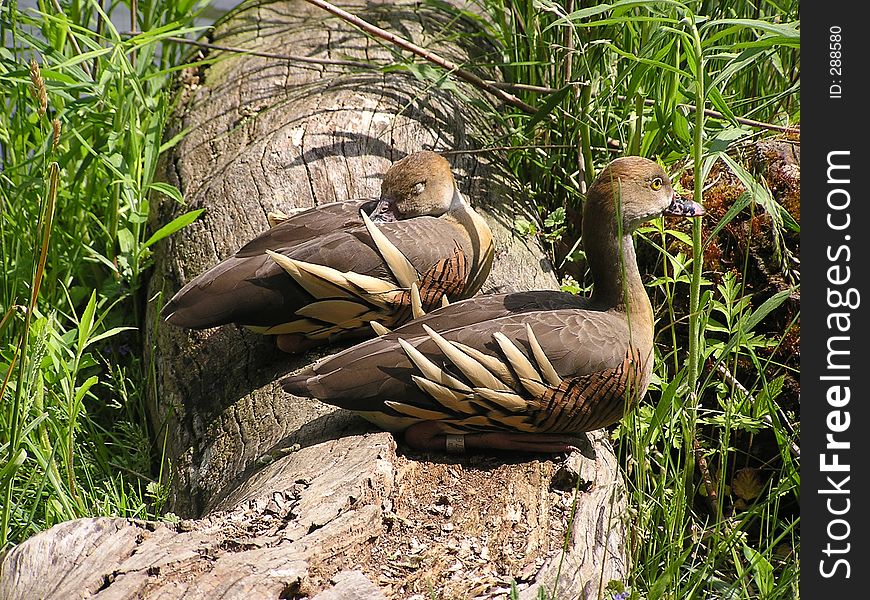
<point x="536" y="89"/>
<point x="717" y="115"/>
<point x="742" y="120"/>
<point x="712" y="494"/>
<point x="98" y="30"/>
<point x="134" y="27"/>
<point x="426" y="54"/>
<point x="73" y="41"/>
<point x="287" y="57"/>
<point x="507" y="148"/>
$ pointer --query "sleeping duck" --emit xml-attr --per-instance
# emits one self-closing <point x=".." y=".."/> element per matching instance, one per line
<point x="524" y="371"/>
<point x="337" y="270"/>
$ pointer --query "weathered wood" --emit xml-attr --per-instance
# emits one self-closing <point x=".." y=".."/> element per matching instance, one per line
<point x="260" y="549"/>
<point x="467" y="527"/>
<point x="351" y="584"/>
<point x="287" y="497"/>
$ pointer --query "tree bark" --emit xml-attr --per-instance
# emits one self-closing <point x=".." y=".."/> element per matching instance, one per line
<point x="284" y="496"/>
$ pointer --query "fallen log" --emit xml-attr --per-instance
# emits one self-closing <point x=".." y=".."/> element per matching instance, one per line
<point x="283" y="496"/>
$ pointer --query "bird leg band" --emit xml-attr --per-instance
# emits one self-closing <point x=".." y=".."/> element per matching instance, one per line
<point x="454" y="444"/>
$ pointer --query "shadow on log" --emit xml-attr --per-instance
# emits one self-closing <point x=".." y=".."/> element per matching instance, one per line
<point x="285" y="497"/>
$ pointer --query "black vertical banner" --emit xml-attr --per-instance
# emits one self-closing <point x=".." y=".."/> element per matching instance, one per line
<point x="835" y="298"/>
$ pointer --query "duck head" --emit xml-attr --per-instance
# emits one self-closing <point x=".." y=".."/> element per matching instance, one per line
<point x="640" y="190"/>
<point x="417" y="185"/>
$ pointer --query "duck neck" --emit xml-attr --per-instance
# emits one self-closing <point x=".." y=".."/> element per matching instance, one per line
<point x="613" y="263"/>
<point x="480" y="237"/>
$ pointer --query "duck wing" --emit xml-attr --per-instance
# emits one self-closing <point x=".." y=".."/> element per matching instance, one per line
<point x="304" y="225"/>
<point x="345" y="268"/>
<point x="567" y="369"/>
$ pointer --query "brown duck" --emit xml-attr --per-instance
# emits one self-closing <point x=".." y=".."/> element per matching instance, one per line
<point x="521" y="371"/>
<point x="326" y="273"/>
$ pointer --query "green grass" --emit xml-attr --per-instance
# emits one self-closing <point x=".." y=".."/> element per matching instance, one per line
<point x="80" y="136"/>
<point x="81" y="130"/>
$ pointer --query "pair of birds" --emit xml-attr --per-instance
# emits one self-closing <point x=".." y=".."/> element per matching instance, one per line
<point x="524" y="371"/>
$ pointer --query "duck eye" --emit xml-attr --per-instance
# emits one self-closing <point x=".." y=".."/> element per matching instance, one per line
<point x="419" y="187"/>
<point x="656" y="183"/>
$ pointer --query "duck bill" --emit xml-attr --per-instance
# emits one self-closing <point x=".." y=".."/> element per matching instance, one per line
<point x="384" y="212"/>
<point x="684" y="207"/>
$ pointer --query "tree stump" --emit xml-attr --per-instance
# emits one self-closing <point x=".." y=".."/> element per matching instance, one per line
<point x="286" y="497"/>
